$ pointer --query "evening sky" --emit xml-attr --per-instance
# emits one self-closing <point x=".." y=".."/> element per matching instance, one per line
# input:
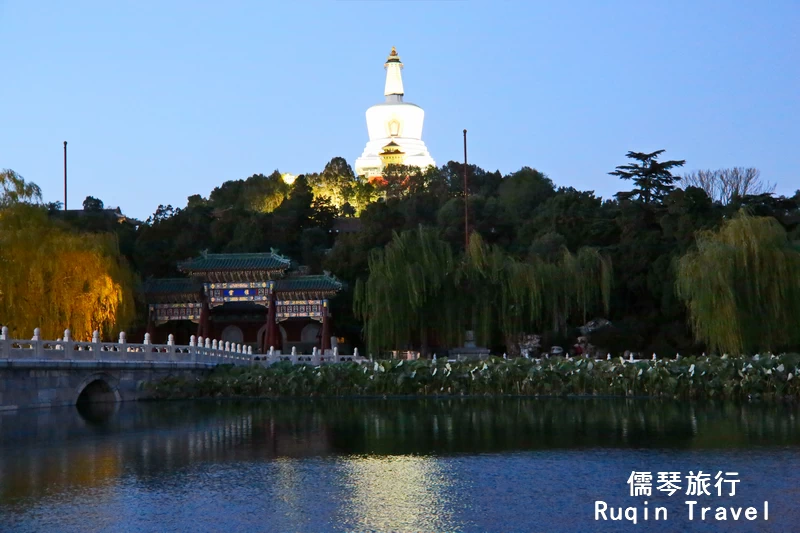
<point x="160" y="100"/>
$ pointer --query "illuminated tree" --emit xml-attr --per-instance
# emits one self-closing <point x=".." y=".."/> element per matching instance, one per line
<point x="55" y="279"/>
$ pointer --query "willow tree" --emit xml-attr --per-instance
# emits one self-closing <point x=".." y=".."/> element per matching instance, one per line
<point x="410" y="292"/>
<point x="54" y="278"/>
<point x="536" y="295"/>
<point x="416" y="285"/>
<point x="741" y="286"/>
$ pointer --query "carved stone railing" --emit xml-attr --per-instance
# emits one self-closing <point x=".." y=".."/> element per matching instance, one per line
<point x="199" y="350"/>
<point x="317" y="357"/>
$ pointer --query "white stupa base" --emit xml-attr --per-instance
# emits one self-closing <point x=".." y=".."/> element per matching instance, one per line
<point x="416" y="155"/>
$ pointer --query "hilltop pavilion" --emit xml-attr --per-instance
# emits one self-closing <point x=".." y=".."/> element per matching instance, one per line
<point x="253" y="299"/>
<point x="395" y="128"/>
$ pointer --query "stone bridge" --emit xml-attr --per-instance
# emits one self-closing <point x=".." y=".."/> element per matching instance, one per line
<point x="42" y="373"/>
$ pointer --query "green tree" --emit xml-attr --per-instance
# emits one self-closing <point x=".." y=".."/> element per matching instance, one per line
<point x="417" y="288"/>
<point x="14" y="189"/>
<point x="92" y="204"/>
<point x="523" y="191"/>
<point x="409" y="292"/>
<point x="741" y="286"/>
<point x="652" y="178"/>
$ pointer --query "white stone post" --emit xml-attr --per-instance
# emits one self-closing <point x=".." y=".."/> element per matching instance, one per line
<point x="631" y="357"/>
<point x="355" y="354"/>
<point x="38" y="348"/>
<point x="654" y="357"/>
<point x="214" y="345"/>
<point x="146" y="338"/>
<point x="4" y="343"/>
<point x="208" y="343"/>
<point x="227" y="347"/>
<point x="171" y="347"/>
<point x="69" y="348"/>
<point x="335" y="353"/>
<point x="123" y="348"/>
<point x="193" y="348"/>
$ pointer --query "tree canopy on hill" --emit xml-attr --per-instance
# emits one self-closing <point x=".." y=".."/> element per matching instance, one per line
<point x="523" y="223"/>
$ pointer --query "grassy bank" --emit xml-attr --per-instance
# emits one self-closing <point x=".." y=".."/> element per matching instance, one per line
<point x="758" y="377"/>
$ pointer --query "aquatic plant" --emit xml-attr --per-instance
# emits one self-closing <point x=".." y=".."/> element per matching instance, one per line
<point x="742" y="378"/>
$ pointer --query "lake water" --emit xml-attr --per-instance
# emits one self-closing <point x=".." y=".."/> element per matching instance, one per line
<point x="393" y="465"/>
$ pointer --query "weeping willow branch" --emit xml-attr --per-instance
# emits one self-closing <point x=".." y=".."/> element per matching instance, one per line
<point x="534" y="295"/>
<point x="416" y="286"/>
<point x="56" y="279"/>
<point x="741" y="286"/>
<point x="409" y="289"/>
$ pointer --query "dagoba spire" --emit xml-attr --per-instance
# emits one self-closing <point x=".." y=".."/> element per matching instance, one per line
<point x="395" y="128"/>
<point x="394" y="81"/>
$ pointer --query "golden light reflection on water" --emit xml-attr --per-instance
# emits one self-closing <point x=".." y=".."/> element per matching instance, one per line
<point x="397" y="493"/>
<point x="290" y="488"/>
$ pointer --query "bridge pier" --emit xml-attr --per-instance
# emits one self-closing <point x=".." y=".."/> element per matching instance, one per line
<point x="27" y="384"/>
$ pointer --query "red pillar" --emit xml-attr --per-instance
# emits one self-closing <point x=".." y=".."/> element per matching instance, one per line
<point x="203" y="326"/>
<point x="269" y="336"/>
<point x="326" y="327"/>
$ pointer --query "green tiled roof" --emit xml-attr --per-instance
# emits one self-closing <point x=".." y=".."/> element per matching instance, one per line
<point x="308" y="283"/>
<point x="171" y="286"/>
<point x="218" y="262"/>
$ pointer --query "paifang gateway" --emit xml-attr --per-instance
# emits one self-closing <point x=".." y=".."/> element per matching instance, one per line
<point x="255" y="299"/>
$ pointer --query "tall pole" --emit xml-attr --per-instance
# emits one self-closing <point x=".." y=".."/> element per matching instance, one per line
<point x="65" y="175"/>
<point x="466" y="212"/>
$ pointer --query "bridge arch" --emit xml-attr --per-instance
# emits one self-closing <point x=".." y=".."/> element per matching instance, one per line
<point x="97" y="387"/>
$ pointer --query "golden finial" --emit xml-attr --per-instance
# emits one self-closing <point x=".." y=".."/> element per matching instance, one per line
<point x="393" y="57"/>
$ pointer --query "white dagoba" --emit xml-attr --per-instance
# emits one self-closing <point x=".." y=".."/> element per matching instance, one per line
<point x="393" y="121"/>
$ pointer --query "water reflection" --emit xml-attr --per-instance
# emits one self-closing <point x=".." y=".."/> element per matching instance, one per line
<point x="397" y="493"/>
<point x="384" y="457"/>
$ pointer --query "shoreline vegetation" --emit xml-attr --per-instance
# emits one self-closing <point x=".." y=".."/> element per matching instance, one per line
<point x="761" y="377"/>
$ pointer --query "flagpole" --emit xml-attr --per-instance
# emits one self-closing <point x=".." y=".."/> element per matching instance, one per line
<point x="466" y="197"/>
<point x="65" y="175"/>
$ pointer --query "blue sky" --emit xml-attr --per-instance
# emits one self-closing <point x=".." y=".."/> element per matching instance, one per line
<point x="160" y="100"/>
